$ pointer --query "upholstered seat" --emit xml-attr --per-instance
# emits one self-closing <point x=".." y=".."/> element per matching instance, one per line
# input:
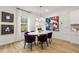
<point x="42" y="38"/>
<point x="50" y="37"/>
<point x="29" y="39"/>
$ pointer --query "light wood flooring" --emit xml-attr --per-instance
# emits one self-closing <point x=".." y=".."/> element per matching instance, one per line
<point x="57" y="46"/>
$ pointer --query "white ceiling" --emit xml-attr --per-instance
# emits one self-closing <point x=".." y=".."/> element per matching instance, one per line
<point x="36" y="9"/>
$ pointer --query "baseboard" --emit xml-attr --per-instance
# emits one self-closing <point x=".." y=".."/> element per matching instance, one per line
<point x="10" y="42"/>
<point x="67" y="41"/>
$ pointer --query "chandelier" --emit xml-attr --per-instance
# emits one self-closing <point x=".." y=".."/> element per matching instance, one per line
<point x="39" y="20"/>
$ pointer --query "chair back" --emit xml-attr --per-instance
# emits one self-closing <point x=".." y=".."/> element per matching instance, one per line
<point x="32" y="31"/>
<point x="29" y="38"/>
<point x="42" y="38"/>
<point x="50" y="35"/>
<point x="26" y="32"/>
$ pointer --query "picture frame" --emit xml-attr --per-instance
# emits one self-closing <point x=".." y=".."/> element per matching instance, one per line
<point x="52" y="23"/>
<point x="7" y="29"/>
<point x="7" y="17"/>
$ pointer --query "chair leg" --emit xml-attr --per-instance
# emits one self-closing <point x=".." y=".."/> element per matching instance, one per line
<point x="41" y="45"/>
<point x="36" y="44"/>
<point x="47" y="43"/>
<point x="31" y="46"/>
<point x="50" y="40"/>
<point x="24" y="44"/>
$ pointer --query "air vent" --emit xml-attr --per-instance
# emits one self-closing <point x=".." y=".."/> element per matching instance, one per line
<point x="24" y="10"/>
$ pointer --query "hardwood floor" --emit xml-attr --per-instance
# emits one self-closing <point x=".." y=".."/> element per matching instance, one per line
<point x="57" y="46"/>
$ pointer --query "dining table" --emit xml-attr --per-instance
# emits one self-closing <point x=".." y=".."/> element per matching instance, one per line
<point x="38" y="33"/>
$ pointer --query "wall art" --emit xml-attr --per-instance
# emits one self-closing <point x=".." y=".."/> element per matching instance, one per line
<point x="7" y="17"/>
<point x="52" y="23"/>
<point x="7" y="29"/>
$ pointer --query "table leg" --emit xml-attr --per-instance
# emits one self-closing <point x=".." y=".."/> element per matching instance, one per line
<point x="36" y="40"/>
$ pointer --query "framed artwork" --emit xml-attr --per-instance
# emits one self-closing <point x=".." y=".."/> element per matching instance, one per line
<point x="52" y="23"/>
<point x="7" y="17"/>
<point x="24" y="26"/>
<point x="75" y="27"/>
<point x="48" y="20"/>
<point x="55" y="21"/>
<point x="7" y="29"/>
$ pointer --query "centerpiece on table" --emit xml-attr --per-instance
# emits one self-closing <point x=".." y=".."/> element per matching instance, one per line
<point x="39" y="29"/>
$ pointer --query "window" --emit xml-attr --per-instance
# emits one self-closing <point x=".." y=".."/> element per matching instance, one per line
<point x="24" y="25"/>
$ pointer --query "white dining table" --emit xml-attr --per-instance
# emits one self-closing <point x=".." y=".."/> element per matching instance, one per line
<point x="38" y="33"/>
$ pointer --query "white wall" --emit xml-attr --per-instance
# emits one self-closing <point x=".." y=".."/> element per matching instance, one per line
<point x="18" y="35"/>
<point x="65" y="32"/>
<point x="74" y="19"/>
<point x="8" y="38"/>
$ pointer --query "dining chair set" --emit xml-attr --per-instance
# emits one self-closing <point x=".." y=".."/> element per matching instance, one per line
<point x="43" y="38"/>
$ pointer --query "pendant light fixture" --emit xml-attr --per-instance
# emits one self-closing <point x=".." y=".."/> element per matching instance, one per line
<point x="41" y="16"/>
<point x="40" y="19"/>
